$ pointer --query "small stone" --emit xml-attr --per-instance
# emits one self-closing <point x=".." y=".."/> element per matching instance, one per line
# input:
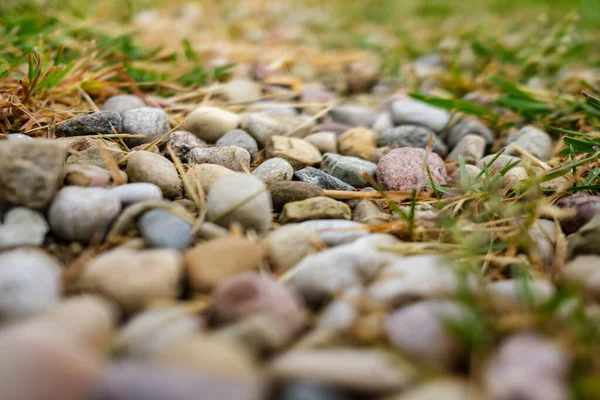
<point x="349" y="169"/>
<point x="240" y="91"/>
<point x="150" y="332"/>
<point x="23" y="227"/>
<point x="325" y="142"/>
<point x="585" y="207"/>
<point x="98" y="123"/>
<point x="358" y="142"/>
<point x="231" y="157"/>
<point x="289" y="244"/>
<point x="584" y="271"/>
<point x="94" y="156"/>
<point x="342" y="313"/>
<point x="134" y="278"/>
<point x="122" y="103"/>
<point x="379" y="153"/>
<point x="210" y="263"/>
<point x="472" y="173"/>
<point x="211" y="123"/>
<point x="586" y="239"/>
<point x="316" y="94"/>
<point x="361" y="370"/>
<point x="30" y="284"/>
<point x="321" y="179"/>
<point x="383" y="123"/>
<point x="239" y="138"/>
<point x="469" y="126"/>
<point x="264" y="125"/>
<point x="470" y="147"/>
<point x="514" y="294"/>
<point x="368" y="212"/>
<point x="409" y="111"/>
<point x="442" y="388"/>
<point x="285" y="191"/>
<point x="353" y="115"/>
<point x="150" y="122"/>
<point x="411" y="136"/>
<point x="206" y="174"/>
<point x="30" y="171"/>
<point x="83" y="215"/>
<point x="249" y="204"/>
<point x="298" y="152"/>
<point x="543" y="235"/>
<point x="515" y="177"/>
<point x="314" y="208"/>
<point x="310" y="391"/>
<point x="274" y="170"/>
<point x="137" y="192"/>
<point x="86" y="175"/>
<point x="334" y="232"/>
<point x="334" y="127"/>
<point x="272" y="107"/>
<point x="163" y="229"/>
<point x="419" y="330"/>
<point x="500" y="163"/>
<point x="402" y="170"/>
<point x="144" y="166"/>
<point x="527" y="366"/>
<point x="17" y="136"/>
<point x="182" y="142"/>
<point x="531" y="139"/>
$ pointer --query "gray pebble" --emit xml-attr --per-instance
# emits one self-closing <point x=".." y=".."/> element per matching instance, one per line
<point x="500" y="162"/>
<point x="468" y="126"/>
<point x="274" y="170"/>
<point x="349" y="169"/>
<point x="337" y="231"/>
<point x="182" y="142"/>
<point x="17" y="136"/>
<point x="531" y="139"/>
<point x="383" y="122"/>
<point x="326" y="142"/>
<point x="23" y="227"/>
<point x="239" y="138"/>
<point x="103" y="122"/>
<point x="263" y="125"/>
<point x="353" y="115"/>
<point x="321" y="179"/>
<point x="136" y="192"/>
<point x="123" y="102"/>
<point x="144" y="166"/>
<point x="161" y="228"/>
<point x="411" y="136"/>
<point x="150" y="122"/>
<point x="414" y="112"/>
<point x="471" y="147"/>
<point x="231" y="157"/>
<point x="272" y="107"/>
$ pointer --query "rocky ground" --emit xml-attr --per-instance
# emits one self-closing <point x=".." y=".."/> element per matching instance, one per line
<point x="273" y="212"/>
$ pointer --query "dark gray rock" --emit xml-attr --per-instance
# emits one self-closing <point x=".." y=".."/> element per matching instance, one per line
<point x="162" y="228"/>
<point x="411" y="136"/>
<point x="103" y="122"/>
<point x="349" y="169"/>
<point x="321" y="179"/>
<point x="239" y="138"/>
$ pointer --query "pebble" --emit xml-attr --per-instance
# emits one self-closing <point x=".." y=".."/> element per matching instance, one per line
<point x="584" y="270"/>
<point x="98" y="123"/>
<point x="163" y="229"/>
<point x="314" y="208"/>
<point x="30" y="284"/>
<point x="470" y="147"/>
<point x="212" y="262"/>
<point x="368" y="212"/>
<point x="211" y="123"/>
<point x="468" y="126"/>
<point x="382" y="123"/>
<point x="516" y="294"/>
<point x="358" y="142"/>
<point x="309" y="391"/>
<point x="240" y="91"/>
<point x="411" y="136"/>
<point x="531" y="139"/>
<point x="585" y="240"/>
<point x="133" y="278"/>
<point x="527" y="366"/>
<point x="472" y="173"/>
<point x="94" y="156"/>
<point x="321" y="179"/>
<point x="289" y="244"/>
<point x="419" y="330"/>
<point x="122" y="103"/>
<point x="150" y="332"/>
<point x="239" y="138"/>
<point x="264" y="125"/>
<point x="144" y="166"/>
<point x="206" y="174"/>
<point x="353" y="115"/>
<point x="515" y="178"/>
<point x="182" y="142"/>
<point x="408" y="111"/>
<point x="23" y="227"/>
<point x="86" y="175"/>
<point x="325" y="142"/>
<point x="231" y="157"/>
<point x="360" y="370"/>
<point x="84" y="215"/>
<point x="17" y="136"/>
<point x="274" y="170"/>
<point x="253" y="293"/>
<point x="151" y="122"/>
<point x="284" y="192"/>
<point x="132" y="193"/>
<point x="272" y="107"/>
<point x="30" y="171"/>
<point x="334" y="232"/>
<point x="379" y="153"/>
<point x="543" y="235"/>
<point x="402" y="170"/>
<point x="585" y="207"/>
<point x="446" y="388"/>
<point x="298" y="152"/>
<point x="342" y="312"/>
<point x="334" y="127"/>
<point x="500" y="162"/>
<point x="249" y="205"/>
<point x="349" y="169"/>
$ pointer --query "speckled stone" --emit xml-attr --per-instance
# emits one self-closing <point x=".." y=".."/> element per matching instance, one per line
<point x="239" y="138"/>
<point x="286" y="191"/>
<point x="150" y="122"/>
<point x="231" y="157"/>
<point x="103" y="122"/>
<point x="349" y="169"/>
<point x="402" y="170"/>
<point x="321" y="179"/>
<point x="182" y="142"/>
<point x="411" y="136"/>
<point x="274" y="170"/>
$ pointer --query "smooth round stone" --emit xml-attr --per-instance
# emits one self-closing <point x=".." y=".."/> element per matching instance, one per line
<point x="144" y="166"/>
<point x="136" y="192"/>
<point x="584" y="271"/>
<point x="321" y="179"/>
<point x="81" y="214"/>
<point x="151" y="122"/>
<point x="531" y="139"/>
<point x="17" y="136"/>
<point x="239" y="138"/>
<point x="30" y="171"/>
<point x="411" y="136"/>
<point x="337" y="231"/>
<point x="298" y="152"/>
<point x="409" y="111"/>
<point x="442" y="388"/>
<point x="514" y="294"/>
<point x="469" y="126"/>
<point x="163" y="229"/>
<point x="86" y="175"/>
<point x="274" y="170"/>
<point x="382" y="123"/>
<point x="30" y="284"/>
<point x="358" y="142"/>
<point x="402" y="170"/>
<point x="211" y="123"/>
<point x="349" y="169"/>
<point x="314" y="208"/>
<point x="585" y="206"/>
<point x="103" y="122"/>
<point x="122" y="103"/>
<point x="264" y="125"/>
<point x="272" y="107"/>
<point x="368" y="212"/>
<point x="331" y="126"/>
<point x="470" y="147"/>
<point x="241" y="91"/>
<point x="93" y="156"/>
<point x="325" y="142"/>
<point x="23" y="227"/>
<point x="353" y="115"/>
<point x="500" y="162"/>
<point x="285" y="191"/>
<point x="342" y="312"/>
<point x="231" y="157"/>
<point x="182" y="142"/>
<point x="543" y="235"/>
<point x="310" y="391"/>
<point x="515" y="177"/>
<point x="289" y="244"/>
<point x="585" y="240"/>
<point x="472" y="173"/>
<point x="240" y="198"/>
<point x="206" y="174"/>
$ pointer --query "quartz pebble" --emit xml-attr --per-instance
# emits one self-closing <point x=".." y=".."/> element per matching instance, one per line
<point x="411" y="136"/>
<point x="241" y="91"/>
<point x="136" y="192"/>
<point x="23" y="227"/>
<point x="211" y="123"/>
<point x="284" y="192"/>
<point x="349" y="169"/>
<point x="408" y="111"/>
<point x="150" y="122"/>
<point x="17" y="136"/>
<point x="358" y="142"/>
<point x="122" y="103"/>
<point x="206" y="174"/>
<point x="230" y="157"/>
<point x="239" y="138"/>
<point x="144" y="166"/>
<point x="321" y="179"/>
<point x="402" y="169"/>
<point x="314" y="208"/>
<point x="161" y="228"/>
<point x="98" y="123"/>
<point x="298" y="152"/>
<point x="274" y="170"/>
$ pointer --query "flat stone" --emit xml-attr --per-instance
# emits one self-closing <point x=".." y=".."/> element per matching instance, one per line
<point x="230" y="157"/>
<point x="150" y="122"/>
<point x="285" y="191"/>
<point x="122" y="103"/>
<point x="23" y="227"/>
<point x="206" y="174"/>
<point x="314" y="208"/>
<point x="298" y="152"/>
<point x="98" y="123"/>
<point x="349" y="169"/>
<point x="211" y="123"/>
<point x="321" y="179"/>
<point x="409" y="111"/>
<point x="402" y="170"/>
<point x="358" y="142"/>
<point x="136" y="192"/>
<point x="368" y="212"/>
<point x="289" y="244"/>
<point x="239" y="138"/>
<point x="325" y="142"/>
<point x="264" y="125"/>
<point x="470" y="147"/>
<point x="182" y="142"/>
<point x="274" y="170"/>
<point x="411" y="136"/>
<point x="531" y="139"/>
<point x="144" y="166"/>
<point x="334" y="232"/>
<point x="163" y="229"/>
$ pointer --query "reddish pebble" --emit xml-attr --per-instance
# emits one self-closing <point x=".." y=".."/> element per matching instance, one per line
<point x="402" y="170"/>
